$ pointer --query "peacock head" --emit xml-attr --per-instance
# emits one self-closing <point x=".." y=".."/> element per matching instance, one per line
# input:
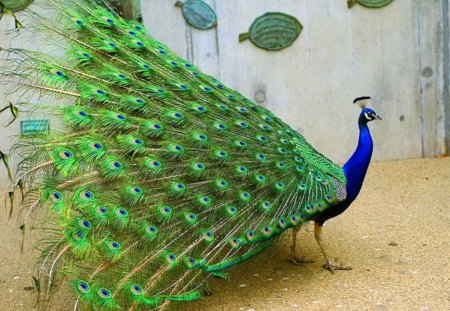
<point x="367" y="114"/>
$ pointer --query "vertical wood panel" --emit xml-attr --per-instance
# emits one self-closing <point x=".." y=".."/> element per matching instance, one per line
<point x="431" y="46"/>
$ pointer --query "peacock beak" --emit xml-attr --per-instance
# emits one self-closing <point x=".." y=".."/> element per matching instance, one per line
<point x="378" y="117"/>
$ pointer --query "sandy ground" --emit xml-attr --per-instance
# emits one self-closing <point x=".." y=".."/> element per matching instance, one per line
<point x="396" y="236"/>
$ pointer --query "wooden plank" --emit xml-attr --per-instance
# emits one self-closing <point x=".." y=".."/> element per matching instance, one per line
<point x="431" y="46"/>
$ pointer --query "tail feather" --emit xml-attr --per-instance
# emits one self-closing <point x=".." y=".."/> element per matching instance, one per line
<point x="155" y="175"/>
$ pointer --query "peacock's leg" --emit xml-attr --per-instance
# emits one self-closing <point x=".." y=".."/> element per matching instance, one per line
<point x="294" y="259"/>
<point x="328" y="264"/>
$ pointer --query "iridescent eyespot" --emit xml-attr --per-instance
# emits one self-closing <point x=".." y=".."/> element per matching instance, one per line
<point x="260" y="178"/>
<point x="121" y="212"/>
<point x="281" y="150"/>
<point x="265" y="205"/>
<point x="242" y="109"/>
<point x="165" y="211"/>
<point x="244" y="195"/>
<point x="113" y="245"/>
<point x="208" y="236"/>
<point x="101" y="210"/>
<point x="204" y="200"/>
<point x="222" y="107"/>
<point x="319" y="178"/>
<point x="108" y="20"/>
<point x="82" y="113"/>
<point x="250" y="235"/>
<point x="86" y="195"/>
<point x="260" y="156"/>
<point x="136" y="289"/>
<point x="299" y="168"/>
<point x="220" y="154"/>
<point x="104" y="293"/>
<point x="135" y="190"/>
<point x="83" y="287"/>
<point x="121" y="117"/>
<point x="240" y="144"/>
<point x="280" y="165"/>
<point x="115" y="164"/>
<point x="171" y="258"/>
<point x="55" y="196"/>
<point x="84" y="224"/>
<point x="231" y="210"/>
<point x="242" y="124"/>
<point x="132" y="33"/>
<point x="309" y="209"/>
<point x="65" y="154"/>
<point x="279" y="185"/>
<point x="221" y="184"/>
<point x="151" y="230"/>
<point x="78" y="235"/>
<point x="234" y="242"/>
<point x="266" y="231"/>
<point x="96" y="146"/>
<point x="261" y="138"/>
<point x="302" y="187"/>
<point x="293" y="220"/>
<point x="190" y="217"/>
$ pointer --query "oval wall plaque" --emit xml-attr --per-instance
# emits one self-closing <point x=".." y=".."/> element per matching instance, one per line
<point x="369" y="3"/>
<point x="273" y="31"/>
<point x="15" y="5"/>
<point x="198" y="14"/>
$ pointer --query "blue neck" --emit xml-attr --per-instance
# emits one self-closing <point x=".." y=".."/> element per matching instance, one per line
<point x="356" y="167"/>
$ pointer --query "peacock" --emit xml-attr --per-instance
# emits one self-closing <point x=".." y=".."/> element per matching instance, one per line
<point x="153" y="176"/>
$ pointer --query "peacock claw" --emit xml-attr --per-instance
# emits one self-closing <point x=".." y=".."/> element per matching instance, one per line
<point x="299" y="261"/>
<point x="332" y="267"/>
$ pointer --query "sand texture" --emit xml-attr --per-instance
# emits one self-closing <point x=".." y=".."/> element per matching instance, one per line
<point x="396" y="236"/>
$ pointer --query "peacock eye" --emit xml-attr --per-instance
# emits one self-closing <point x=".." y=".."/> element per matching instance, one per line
<point x="56" y="196"/>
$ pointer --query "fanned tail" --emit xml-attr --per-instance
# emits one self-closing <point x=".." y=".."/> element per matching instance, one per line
<point x="154" y="176"/>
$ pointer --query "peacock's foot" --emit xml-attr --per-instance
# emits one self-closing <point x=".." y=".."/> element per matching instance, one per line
<point x="299" y="261"/>
<point x="333" y="266"/>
